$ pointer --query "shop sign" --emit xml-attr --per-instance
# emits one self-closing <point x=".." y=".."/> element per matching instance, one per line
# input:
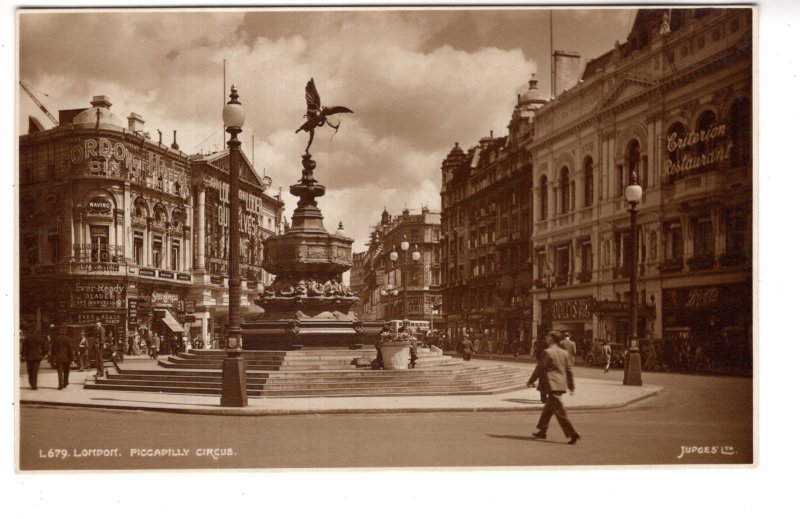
<point x="184" y="277"/>
<point x="107" y="318"/>
<point x="579" y="309"/>
<point x="99" y="205"/>
<point x="609" y="307"/>
<point x="707" y="296"/>
<point x="133" y="311"/>
<point x="689" y="162"/>
<point x="168" y="298"/>
<point x="190" y="319"/>
<point x="190" y="304"/>
<point x="217" y="280"/>
<point x="97" y="295"/>
<point x="166" y="275"/>
<point x="147" y="272"/>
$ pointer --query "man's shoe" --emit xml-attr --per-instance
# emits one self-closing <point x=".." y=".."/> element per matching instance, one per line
<point x="540" y="434"/>
<point x="574" y="439"/>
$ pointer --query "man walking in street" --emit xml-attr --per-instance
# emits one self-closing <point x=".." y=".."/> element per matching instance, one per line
<point x="554" y="373"/>
<point x="569" y="347"/>
<point x="34" y="349"/>
<point x="61" y="356"/>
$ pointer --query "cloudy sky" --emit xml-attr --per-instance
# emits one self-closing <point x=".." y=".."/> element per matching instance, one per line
<point x="418" y="81"/>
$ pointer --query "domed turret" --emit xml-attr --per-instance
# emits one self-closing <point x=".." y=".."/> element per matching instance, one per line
<point x="99" y="112"/>
<point x="533" y="98"/>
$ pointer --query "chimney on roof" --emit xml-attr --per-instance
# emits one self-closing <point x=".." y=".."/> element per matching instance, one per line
<point x="101" y="101"/>
<point x="135" y="122"/>
<point x="174" y="145"/>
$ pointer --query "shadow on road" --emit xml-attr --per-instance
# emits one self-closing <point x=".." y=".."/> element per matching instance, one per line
<point x="523" y="400"/>
<point x="525" y="438"/>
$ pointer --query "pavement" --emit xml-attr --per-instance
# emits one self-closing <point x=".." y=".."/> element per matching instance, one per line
<point x="591" y="394"/>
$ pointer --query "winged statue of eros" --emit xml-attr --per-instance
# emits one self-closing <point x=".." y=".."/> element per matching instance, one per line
<point x="316" y="114"/>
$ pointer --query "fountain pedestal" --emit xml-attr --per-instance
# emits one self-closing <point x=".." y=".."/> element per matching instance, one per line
<point x="308" y="306"/>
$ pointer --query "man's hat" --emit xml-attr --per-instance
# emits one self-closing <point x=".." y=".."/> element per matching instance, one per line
<point x="555" y="334"/>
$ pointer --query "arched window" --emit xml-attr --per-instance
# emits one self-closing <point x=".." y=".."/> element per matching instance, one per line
<point x="705" y="122"/>
<point x="632" y="157"/>
<point x="675" y="138"/>
<point x="564" y="184"/>
<point x="543" y="197"/>
<point x="741" y="132"/>
<point x="588" y="182"/>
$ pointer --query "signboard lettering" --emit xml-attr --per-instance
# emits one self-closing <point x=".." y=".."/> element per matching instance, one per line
<point x="164" y="297"/>
<point x="572" y="309"/>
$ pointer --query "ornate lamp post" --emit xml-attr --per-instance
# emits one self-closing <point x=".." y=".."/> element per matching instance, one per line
<point x="415" y="255"/>
<point x="234" y="375"/>
<point x="633" y="365"/>
<point x="549" y="281"/>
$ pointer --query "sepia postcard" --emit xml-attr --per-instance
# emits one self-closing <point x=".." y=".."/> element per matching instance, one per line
<point x="385" y="238"/>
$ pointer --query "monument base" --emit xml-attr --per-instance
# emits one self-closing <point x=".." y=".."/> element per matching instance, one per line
<point x="234" y="383"/>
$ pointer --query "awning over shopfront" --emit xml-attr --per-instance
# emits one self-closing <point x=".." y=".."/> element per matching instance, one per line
<point x="172" y="323"/>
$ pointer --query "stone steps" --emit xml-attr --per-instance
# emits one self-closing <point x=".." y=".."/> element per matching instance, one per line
<point x="313" y="373"/>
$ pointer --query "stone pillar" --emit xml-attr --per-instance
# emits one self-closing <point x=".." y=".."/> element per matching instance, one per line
<point x="552" y="210"/>
<point x="201" y="228"/>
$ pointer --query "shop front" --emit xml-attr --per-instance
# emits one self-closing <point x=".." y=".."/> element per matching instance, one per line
<point x="574" y="315"/>
<point x="614" y="318"/>
<point x="98" y="300"/>
<point x="718" y="318"/>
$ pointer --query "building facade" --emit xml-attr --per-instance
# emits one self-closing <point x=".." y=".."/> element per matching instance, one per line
<point x="379" y="282"/>
<point x="109" y="227"/>
<point x="259" y="219"/>
<point x="673" y="104"/>
<point x="486" y="221"/>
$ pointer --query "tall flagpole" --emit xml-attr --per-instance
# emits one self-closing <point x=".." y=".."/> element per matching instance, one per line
<point x="552" y="60"/>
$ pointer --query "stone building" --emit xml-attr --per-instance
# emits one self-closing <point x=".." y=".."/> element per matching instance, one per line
<point x="486" y="222"/>
<point x="260" y="218"/>
<point x="378" y="282"/>
<point x="104" y="225"/>
<point x="672" y="104"/>
<point x="112" y="224"/>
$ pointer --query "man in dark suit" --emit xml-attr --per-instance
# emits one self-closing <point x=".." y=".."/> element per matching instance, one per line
<point x="554" y="373"/>
<point x="61" y="355"/>
<point x="34" y="348"/>
<point x="99" y="344"/>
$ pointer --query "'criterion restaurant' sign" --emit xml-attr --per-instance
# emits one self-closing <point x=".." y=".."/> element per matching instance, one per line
<point x="715" y="153"/>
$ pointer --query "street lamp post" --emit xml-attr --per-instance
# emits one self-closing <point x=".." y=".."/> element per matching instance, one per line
<point x="415" y="255"/>
<point x="633" y="365"/>
<point x="549" y="282"/>
<point x="234" y="374"/>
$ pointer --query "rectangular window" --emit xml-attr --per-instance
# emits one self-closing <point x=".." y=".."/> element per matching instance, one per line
<point x="30" y="250"/>
<point x="703" y="237"/>
<point x="674" y="241"/>
<point x="54" y="243"/>
<point x="158" y="251"/>
<point x="586" y="256"/>
<point x="622" y="181"/>
<point x="736" y="231"/>
<point x="562" y="261"/>
<point x="175" y="255"/>
<point x="541" y="262"/>
<point x="99" y="237"/>
<point x="138" y="247"/>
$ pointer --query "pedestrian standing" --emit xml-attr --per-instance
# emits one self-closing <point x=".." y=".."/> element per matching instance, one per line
<point x="606" y="351"/>
<point x="99" y="345"/>
<point x="466" y="347"/>
<point x="570" y="347"/>
<point x="34" y="349"/>
<point x="61" y="356"/>
<point x="554" y="374"/>
<point x="83" y="352"/>
<point x="156" y="346"/>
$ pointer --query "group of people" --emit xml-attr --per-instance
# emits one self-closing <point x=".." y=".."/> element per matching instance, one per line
<point x="57" y="348"/>
<point x="145" y="341"/>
